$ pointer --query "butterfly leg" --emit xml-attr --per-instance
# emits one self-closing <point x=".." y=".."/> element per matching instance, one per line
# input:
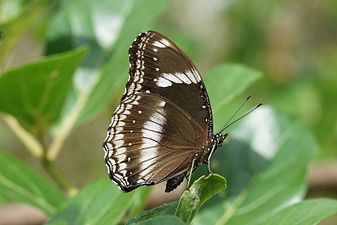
<point x="209" y="160"/>
<point x="190" y="173"/>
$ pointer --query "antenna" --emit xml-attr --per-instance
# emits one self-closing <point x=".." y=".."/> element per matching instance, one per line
<point x="228" y="124"/>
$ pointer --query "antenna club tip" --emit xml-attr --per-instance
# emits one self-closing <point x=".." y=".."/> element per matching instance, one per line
<point x="259" y="105"/>
<point x="248" y="97"/>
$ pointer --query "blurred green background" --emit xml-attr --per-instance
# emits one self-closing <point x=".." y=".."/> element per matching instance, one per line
<point x="294" y="44"/>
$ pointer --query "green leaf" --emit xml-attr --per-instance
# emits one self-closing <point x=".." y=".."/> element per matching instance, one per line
<point x="98" y="24"/>
<point x="226" y="82"/>
<point x="34" y="93"/>
<point x="163" y="210"/>
<point x="257" y="162"/>
<point x="19" y="183"/>
<point x="167" y="220"/>
<point x="140" y="201"/>
<point x="99" y="203"/>
<point x="308" y="212"/>
<point x="201" y="190"/>
<point x="12" y="30"/>
<point x="235" y="78"/>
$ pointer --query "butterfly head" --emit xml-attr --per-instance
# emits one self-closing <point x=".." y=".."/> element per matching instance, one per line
<point x="219" y="139"/>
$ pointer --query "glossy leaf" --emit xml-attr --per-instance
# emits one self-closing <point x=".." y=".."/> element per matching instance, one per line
<point x="308" y="212"/>
<point x="266" y="167"/>
<point x="201" y="191"/>
<point x="98" y="24"/>
<point x="99" y="203"/>
<point x="140" y="202"/>
<point x="163" y="210"/>
<point x="167" y="220"/>
<point x="20" y="183"/>
<point x="34" y="93"/>
<point x="227" y="81"/>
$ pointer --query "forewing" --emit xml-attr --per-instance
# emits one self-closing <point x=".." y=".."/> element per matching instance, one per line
<point x="158" y="66"/>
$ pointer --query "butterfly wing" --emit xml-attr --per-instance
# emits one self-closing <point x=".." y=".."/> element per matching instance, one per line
<point x="164" y="119"/>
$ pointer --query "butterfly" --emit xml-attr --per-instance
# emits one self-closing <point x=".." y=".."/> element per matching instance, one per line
<point x="163" y="127"/>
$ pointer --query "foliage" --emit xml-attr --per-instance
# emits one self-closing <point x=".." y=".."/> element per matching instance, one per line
<point x="37" y="110"/>
<point x="200" y="192"/>
<point x="20" y="183"/>
<point x="265" y="160"/>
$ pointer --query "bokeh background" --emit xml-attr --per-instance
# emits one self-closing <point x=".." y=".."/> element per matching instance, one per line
<point x="294" y="44"/>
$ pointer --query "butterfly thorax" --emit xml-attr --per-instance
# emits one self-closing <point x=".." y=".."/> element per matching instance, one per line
<point x="216" y="141"/>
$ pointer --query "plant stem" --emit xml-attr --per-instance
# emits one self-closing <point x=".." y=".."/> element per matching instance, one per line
<point x="32" y="144"/>
<point x="36" y="145"/>
<point x="70" y="120"/>
<point x="54" y="172"/>
<point x="58" y="177"/>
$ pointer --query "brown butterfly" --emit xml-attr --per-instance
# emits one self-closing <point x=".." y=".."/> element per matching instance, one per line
<point x="163" y="127"/>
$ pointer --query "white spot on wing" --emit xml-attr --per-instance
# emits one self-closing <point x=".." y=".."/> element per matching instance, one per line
<point x="159" y="44"/>
<point x="119" y="136"/>
<point x="166" y="78"/>
<point x="118" y="143"/>
<point x="183" y="77"/>
<point x="162" y="104"/>
<point x="194" y="78"/>
<point x="122" y="156"/>
<point x="158" y="117"/>
<point x="171" y="77"/>
<point x="122" y="167"/>
<point x="152" y="130"/>
<point x="109" y="145"/>
<point x="120" y="123"/>
<point x="165" y="42"/>
<point x="110" y="153"/>
<point x="162" y="82"/>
